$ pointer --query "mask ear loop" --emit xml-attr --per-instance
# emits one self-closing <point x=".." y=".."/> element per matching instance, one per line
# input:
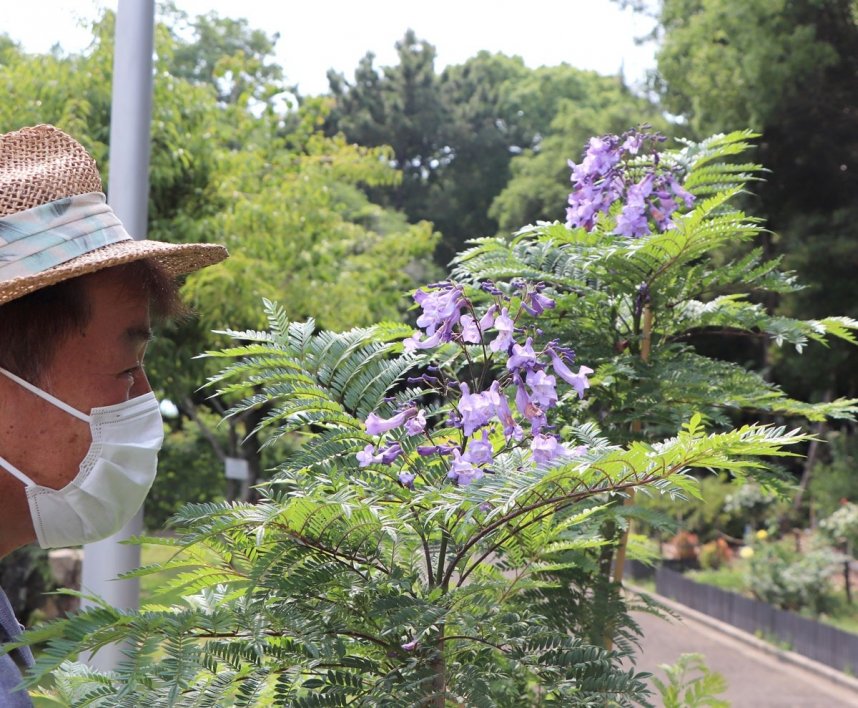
<point x="46" y="396"/>
<point x="15" y="472"/>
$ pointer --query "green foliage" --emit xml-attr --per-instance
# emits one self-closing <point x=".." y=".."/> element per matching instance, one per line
<point x="635" y="310"/>
<point x="792" y="580"/>
<point x="230" y="163"/>
<point x="705" y="516"/>
<point x="691" y="684"/>
<point x="750" y="503"/>
<point x="343" y="585"/>
<point x="25" y="577"/>
<point x="762" y="53"/>
<point x="483" y="145"/>
<point x="227" y="55"/>
<point x="833" y="480"/>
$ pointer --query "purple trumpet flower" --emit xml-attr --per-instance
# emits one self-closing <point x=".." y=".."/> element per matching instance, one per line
<point x="479" y="451"/>
<point x="488" y="319"/>
<point x="390" y="453"/>
<point x="505" y="327"/>
<point x="462" y="471"/>
<point x="441" y="307"/>
<point x="417" y="424"/>
<point x="536" y="303"/>
<point x="415" y="342"/>
<point x="375" y="425"/>
<point x="527" y="407"/>
<point x="511" y="429"/>
<point x="546" y="448"/>
<point x="577" y="381"/>
<point x="522" y="357"/>
<point x="470" y="330"/>
<point x="632" y="222"/>
<point x="367" y="456"/>
<point x="542" y="387"/>
<point x="426" y="450"/>
<point x="476" y="409"/>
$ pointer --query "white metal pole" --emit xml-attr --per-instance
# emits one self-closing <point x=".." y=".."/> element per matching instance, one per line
<point x="128" y="195"/>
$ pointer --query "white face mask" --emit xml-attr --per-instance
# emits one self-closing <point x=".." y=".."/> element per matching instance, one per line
<point x="114" y="477"/>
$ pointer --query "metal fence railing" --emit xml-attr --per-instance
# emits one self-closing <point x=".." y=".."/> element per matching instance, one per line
<point x="820" y="642"/>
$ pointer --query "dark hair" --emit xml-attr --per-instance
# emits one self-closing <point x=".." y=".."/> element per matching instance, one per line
<point x="33" y="326"/>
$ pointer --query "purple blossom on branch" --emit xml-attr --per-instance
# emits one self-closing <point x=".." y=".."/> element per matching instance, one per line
<point x="462" y="471"/>
<point x="577" y="381"/>
<point x="604" y="177"/>
<point x="479" y="450"/>
<point x="546" y="448"/>
<point x="367" y="456"/>
<point x="535" y="302"/>
<point x="543" y="388"/>
<point x="522" y="357"/>
<point x="426" y="450"/>
<point x="390" y="453"/>
<point x="511" y="429"/>
<point x="527" y="407"/>
<point x="487" y="321"/>
<point x="447" y="315"/>
<point x="441" y="307"/>
<point x="470" y="330"/>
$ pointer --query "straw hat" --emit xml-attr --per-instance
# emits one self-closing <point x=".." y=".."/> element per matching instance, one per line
<point x="55" y="224"/>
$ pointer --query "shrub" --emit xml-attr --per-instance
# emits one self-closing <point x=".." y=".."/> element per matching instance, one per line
<point x="790" y="579"/>
<point x="714" y="554"/>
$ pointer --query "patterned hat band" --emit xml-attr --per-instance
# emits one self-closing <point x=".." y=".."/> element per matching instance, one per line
<point x="55" y="224"/>
<point x="51" y="234"/>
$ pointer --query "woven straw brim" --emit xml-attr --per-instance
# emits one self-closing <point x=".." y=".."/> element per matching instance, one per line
<point x="176" y="258"/>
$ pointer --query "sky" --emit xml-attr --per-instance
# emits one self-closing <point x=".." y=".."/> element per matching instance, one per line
<point x="317" y="35"/>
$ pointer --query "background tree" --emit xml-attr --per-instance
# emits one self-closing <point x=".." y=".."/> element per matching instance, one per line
<point x="482" y="133"/>
<point x="400" y="107"/>
<point x="473" y="137"/>
<point x="231" y="163"/>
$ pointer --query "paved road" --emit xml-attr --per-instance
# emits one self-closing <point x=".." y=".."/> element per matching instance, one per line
<point x="755" y="678"/>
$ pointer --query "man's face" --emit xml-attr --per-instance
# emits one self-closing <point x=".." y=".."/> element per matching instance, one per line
<point x="99" y="365"/>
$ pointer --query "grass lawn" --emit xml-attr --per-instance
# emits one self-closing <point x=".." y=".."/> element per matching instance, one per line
<point x="151" y="585"/>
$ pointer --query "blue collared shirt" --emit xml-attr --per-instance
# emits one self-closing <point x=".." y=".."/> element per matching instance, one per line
<point x="10" y="674"/>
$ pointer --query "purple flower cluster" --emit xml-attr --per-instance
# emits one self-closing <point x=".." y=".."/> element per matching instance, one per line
<point x="648" y="190"/>
<point x="485" y="418"/>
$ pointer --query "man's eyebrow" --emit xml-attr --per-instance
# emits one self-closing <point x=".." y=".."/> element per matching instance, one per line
<point x="139" y="334"/>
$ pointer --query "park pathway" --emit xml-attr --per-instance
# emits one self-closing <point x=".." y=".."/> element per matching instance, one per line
<point x="757" y="677"/>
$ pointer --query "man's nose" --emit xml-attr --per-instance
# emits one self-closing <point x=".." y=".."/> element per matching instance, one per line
<point x="141" y="384"/>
